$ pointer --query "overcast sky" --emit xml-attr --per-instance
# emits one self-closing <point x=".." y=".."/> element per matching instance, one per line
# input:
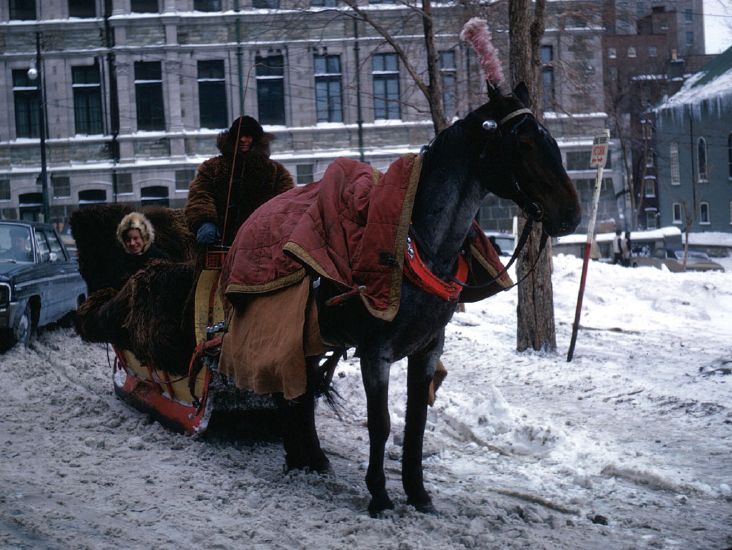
<point x="717" y="25"/>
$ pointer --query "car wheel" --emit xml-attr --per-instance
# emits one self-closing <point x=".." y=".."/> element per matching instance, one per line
<point x="23" y="330"/>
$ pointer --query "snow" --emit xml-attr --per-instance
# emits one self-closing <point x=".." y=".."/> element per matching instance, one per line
<point x="627" y="446"/>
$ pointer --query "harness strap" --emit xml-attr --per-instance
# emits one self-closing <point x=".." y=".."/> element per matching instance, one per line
<point x="195" y="365"/>
<point x="514" y="114"/>
<point x="422" y="277"/>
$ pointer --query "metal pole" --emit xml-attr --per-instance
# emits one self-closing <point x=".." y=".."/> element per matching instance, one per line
<point x="359" y="114"/>
<point x="239" y="61"/>
<point x="588" y="250"/>
<point x="42" y="124"/>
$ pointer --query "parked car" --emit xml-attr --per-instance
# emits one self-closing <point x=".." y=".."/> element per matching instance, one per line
<point x="40" y="282"/>
<point x="673" y="260"/>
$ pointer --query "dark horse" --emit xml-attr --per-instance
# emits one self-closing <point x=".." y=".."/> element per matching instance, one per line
<point x="499" y="148"/>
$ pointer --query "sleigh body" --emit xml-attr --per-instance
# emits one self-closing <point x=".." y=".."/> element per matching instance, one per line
<point x="191" y="403"/>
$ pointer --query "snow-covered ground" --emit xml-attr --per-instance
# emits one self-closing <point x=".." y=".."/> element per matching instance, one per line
<point x="627" y="446"/>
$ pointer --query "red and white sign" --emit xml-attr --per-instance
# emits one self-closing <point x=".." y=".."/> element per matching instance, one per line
<point x="599" y="151"/>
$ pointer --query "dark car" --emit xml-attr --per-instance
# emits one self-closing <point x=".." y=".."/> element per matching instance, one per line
<point x="39" y="280"/>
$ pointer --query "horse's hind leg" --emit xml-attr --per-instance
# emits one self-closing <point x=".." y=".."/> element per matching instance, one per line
<point x="300" y="438"/>
<point x="375" y="374"/>
<point x="419" y="374"/>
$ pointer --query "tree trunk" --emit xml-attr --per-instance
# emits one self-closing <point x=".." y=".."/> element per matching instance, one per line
<point x="535" y="311"/>
<point x="434" y="96"/>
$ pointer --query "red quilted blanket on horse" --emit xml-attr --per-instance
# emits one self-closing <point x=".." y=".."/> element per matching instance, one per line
<point x="350" y="227"/>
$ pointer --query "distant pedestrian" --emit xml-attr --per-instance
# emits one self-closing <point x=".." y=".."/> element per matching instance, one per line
<point x="628" y="252"/>
<point x="492" y="240"/>
<point x="620" y="248"/>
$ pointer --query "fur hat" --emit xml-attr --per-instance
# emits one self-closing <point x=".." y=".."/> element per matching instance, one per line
<point x="249" y="127"/>
<point x="136" y="220"/>
<point x="226" y="141"/>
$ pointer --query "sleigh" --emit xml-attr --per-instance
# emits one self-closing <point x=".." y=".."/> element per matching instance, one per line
<point x="203" y="398"/>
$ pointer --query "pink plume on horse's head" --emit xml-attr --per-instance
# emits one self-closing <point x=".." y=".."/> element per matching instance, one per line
<point x="476" y="32"/>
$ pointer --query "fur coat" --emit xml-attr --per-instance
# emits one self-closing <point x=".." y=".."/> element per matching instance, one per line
<point x="257" y="179"/>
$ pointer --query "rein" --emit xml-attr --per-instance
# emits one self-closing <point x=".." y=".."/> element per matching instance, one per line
<point x="231" y="180"/>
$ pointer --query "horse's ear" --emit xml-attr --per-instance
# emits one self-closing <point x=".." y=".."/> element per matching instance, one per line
<point x="522" y="93"/>
<point x="493" y="90"/>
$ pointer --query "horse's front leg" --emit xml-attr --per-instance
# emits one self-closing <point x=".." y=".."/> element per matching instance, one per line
<point x="375" y="374"/>
<point x="419" y="374"/>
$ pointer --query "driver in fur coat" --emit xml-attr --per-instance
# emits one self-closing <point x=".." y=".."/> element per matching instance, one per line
<point x="256" y="179"/>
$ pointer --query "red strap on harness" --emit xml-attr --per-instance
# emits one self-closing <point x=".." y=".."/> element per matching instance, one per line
<point x="420" y="275"/>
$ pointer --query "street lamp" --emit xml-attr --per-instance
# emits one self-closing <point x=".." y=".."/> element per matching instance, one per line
<point x="36" y="72"/>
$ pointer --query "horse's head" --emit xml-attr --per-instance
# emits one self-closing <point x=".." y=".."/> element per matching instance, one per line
<point x="524" y="156"/>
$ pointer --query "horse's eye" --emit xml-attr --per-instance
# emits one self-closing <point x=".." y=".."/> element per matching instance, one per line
<point x="489" y="125"/>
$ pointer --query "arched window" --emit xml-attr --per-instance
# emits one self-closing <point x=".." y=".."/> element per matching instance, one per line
<point x="701" y="159"/>
<point x="155" y="194"/>
<point x="92" y="196"/>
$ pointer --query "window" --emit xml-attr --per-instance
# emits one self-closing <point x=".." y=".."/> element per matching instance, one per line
<point x="689" y="38"/>
<point x="612" y="53"/>
<point x="124" y="184"/>
<point x="266" y="4"/>
<point x="183" y="179"/>
<point x="324" y="3"/>
<point x="649" y="159"/>
<point x="547" y="76"/>
<point x="212" y="94"/>
<point x="382" y="1"/>
<point x="207" y="5"/>
<point x="640" y="9"/>
<point x="688" y="15"/>
<point x="92" y="196"/>
<point x="729" y="156"/>
<point x="651" y="219"/>
<point x="631" y="51"/>
<point x="649" y="188"/>
<point x="270" y="72"/>
<point x="82" y="8"/>
<point x="61" y="186"/>
<point x="578" y="160"/>
<point x="448" y="70"/>
<point x="27" y="105"/>
<point x="54" y="245"/>
<point x="328" y="94"/>
<point x="155" y="194"/>
<point x="87" y="90"/>
<point x="144" y="6"/>
<point x="42" y="245"/>
<point x="5" y="190"/>
<point x="730" y="212"/>
<point x="149" y="96"/>
<point x="674" y="158"/>
<point x="676" y="213"/>
<point x="704" y="216"/>
<point x="24" y="10"/>
<point x="386" y="86"/>
<point x="701" y="159"/>
<point x="652" y="51"/>
<point x="304" y="173"/>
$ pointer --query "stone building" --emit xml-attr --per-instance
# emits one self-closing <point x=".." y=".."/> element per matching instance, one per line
<point x="135" y="91"/>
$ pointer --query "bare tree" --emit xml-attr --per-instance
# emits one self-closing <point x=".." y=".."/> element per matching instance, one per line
<point x="432" y="88"/>
<point x="535" y="314"/>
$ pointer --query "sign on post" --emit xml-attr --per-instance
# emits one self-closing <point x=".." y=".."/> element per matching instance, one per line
<point x="599" y="151"/>
<point x="599" y="156"/>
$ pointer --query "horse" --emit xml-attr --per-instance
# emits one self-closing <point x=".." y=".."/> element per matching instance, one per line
<point x="498" y="148"/>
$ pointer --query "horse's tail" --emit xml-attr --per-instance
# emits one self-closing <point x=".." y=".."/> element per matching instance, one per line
<point x="323" y="379"/>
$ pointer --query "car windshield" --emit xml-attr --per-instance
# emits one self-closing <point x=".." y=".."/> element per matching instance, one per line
<point x="15" y="244"/>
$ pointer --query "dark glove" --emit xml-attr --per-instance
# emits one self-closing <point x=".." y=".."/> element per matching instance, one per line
<point x="207" y="234"/>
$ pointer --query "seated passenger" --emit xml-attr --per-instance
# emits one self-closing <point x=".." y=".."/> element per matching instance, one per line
<point x="137" y="236"/>
<point x="20" y="248"/>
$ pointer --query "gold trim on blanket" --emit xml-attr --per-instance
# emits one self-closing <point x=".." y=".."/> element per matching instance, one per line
<point x="282" y="282"/>
<point x="505" y="279"/>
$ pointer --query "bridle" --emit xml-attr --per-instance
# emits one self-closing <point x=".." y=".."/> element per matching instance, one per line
<point x="532" y="209"/>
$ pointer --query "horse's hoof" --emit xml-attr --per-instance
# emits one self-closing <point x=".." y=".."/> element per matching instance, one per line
<point x="379" y="504"/>
<point x="424" y="506"/>
<point x="321" y="465"/>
